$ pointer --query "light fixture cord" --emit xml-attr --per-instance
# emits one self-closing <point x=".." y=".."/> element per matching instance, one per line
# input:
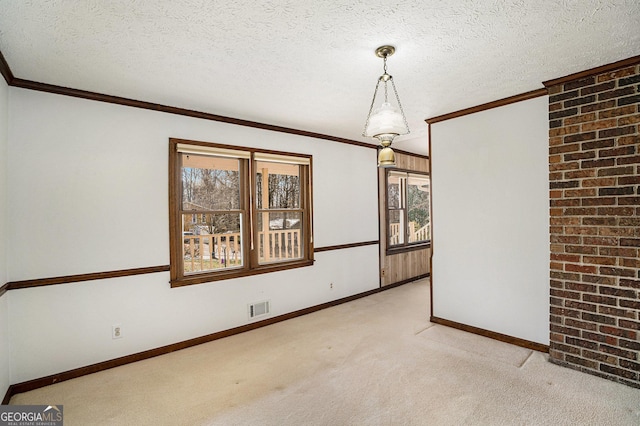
<point x="386" y="92"/>
<point x="366" y="124"/>
<point x="404" y="117"/>
<point x="375" y="92"/>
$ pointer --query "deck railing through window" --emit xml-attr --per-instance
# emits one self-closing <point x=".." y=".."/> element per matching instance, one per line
<point x="279" y="245"/>
<point x="212" y="251"/>
<point x="216" y="251"/>
<point x="421" y="234"/>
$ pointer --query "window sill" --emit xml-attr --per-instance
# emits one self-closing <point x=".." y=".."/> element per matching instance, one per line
<point x="227" y="275"/>
<point x="404" y="249"/>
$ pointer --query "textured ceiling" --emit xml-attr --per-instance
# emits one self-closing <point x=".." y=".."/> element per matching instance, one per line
<point x="309" y="64"/>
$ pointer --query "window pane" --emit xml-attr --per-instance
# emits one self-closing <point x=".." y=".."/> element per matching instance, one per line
<point x="281" y="190"/>
<point x="282" y="240"/>
<point x="396" y="227"/>
<point x="418" y="208"/>
<point x="393" y="191"/>
<point x="210" y="183"/>
<point x="211" y="242"/>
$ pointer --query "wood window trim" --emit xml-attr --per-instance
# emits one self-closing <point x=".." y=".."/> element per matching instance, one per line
<point x="405" y="247"/>
<point x="408" y="248"/>
<point x="239" y="273"/>
<point x="251" y="266"/>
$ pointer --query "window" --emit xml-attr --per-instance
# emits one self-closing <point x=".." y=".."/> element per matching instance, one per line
<point x="237" y="211"/>
<point x="407" y="209"/>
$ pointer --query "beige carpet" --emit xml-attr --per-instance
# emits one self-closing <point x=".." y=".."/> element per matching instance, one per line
<point x="373" y="361"/>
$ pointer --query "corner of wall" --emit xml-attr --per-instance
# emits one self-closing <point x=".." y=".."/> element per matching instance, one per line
<point x="490" y="236"/>
<point x="4" y="305"/>
<point x="4" y="146"/>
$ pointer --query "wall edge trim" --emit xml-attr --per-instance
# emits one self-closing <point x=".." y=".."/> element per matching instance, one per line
<point x="431" y="221"/>
<point x="100" y="97"/>
<point x="413" y="154"/>
<point x="163" y="350"/>
<point x="8" y="395"/>
<point x="489" y="105"/>
<point x="345" y="246"/>
<point x="67" y="279"/>
<point x="5" y="70"/>
<point x="634" y="60"/>
<point x="406" y="281"/>
<point x="11" y="80"/>
<point x="40" y="282"/>
<point x="492" y="334"/>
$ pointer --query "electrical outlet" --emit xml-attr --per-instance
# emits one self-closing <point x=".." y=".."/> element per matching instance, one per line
<point x="116" y="331"/>
<point x="331" y="285"/>
<point x="382" y="272"/>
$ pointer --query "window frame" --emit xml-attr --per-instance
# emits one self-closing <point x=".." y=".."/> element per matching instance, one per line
<point x="405" y="246"/>
<point x="258" y="212"/>
<point x="248" y="204"/>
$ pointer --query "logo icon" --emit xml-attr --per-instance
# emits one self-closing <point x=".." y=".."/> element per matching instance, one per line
<point x="31" y="415"/>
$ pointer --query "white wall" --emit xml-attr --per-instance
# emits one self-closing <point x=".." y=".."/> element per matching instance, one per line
<point x="4" y="327"/>
<point x="90" y="194"/>
<point x="490" y="220"/>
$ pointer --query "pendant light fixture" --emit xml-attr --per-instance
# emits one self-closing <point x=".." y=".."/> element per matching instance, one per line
<point x="386" y="121"/>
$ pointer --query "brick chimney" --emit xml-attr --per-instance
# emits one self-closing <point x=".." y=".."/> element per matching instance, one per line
<point x="594" y="190"/>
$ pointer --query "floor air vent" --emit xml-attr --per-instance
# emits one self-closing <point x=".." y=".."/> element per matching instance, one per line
<point x="258" y="309"/>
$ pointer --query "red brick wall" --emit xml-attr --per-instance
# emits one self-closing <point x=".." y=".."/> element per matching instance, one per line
<point x="594" y="174"/>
